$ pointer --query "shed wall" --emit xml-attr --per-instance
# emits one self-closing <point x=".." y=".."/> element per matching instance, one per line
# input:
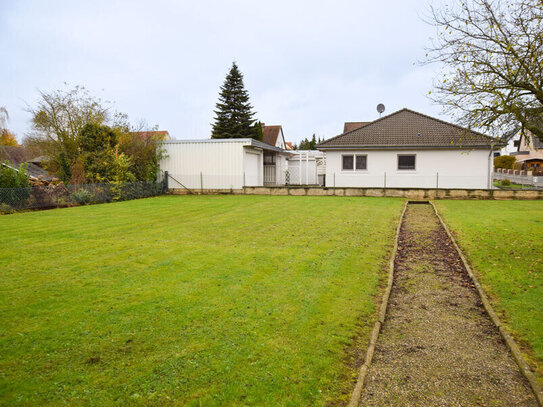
<point x="205" y="165"/>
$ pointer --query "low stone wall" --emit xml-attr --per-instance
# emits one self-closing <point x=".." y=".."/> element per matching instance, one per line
<point x="182" y="191"/>
<point x="409" y="193"/>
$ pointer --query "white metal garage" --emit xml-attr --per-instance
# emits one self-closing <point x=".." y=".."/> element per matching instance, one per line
<point x="217" y="163"/>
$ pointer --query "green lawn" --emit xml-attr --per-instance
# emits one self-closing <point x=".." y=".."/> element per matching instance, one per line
<point x="512" y="185"/>
<point x="195" y="300"/>
<point x="503" y="241"/>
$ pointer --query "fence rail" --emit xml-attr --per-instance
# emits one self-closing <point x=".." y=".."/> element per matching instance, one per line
<point x="61" y="195"/>
<point x="521" y="178"/>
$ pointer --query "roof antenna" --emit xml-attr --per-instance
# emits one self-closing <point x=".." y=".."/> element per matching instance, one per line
<point x="380" y="109"/>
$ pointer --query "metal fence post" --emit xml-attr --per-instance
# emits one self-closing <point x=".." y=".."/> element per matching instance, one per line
<point x="437" y="180"/>
<point x="385" y="180"/>
<point x="243" y="179"/>
<point x="201" y="182"/>
<point x="334" y="179"/>
<point x="165" y="182"/>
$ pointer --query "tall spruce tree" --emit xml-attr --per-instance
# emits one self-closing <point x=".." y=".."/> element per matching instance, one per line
<point x="234" y="113"/>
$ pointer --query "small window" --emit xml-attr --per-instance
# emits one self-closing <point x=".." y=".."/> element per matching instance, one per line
<point x="269" y="159"/>
<point x="406" y="162"/>
<point x="361" y="162"/>
<point x="347" y="162"/>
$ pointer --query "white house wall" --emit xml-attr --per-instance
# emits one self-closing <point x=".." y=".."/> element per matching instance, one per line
<point x="217" y="165"/>
<point x="434" y="168"/>
<point x="280" y="140"/>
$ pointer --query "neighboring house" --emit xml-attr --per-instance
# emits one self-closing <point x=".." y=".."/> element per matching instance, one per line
<point x="275" y="165"/>
<point x="16" y="155"/>
<point x="529" y="152"/>
<point x="289" y="146"/>
<point x="350" y="126"/>
<point x="223" y="163"/>
<point x="273" y="135"/>
<point x="511" y="147"/>
<point x="409" y="149"/>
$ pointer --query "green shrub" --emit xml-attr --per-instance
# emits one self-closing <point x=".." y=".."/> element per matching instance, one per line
<point x="11" y="178"/>
<point x="505" y="162"/>
<point x="505" y="183"/>
<point x="14" y="184"/>
<point x="82" y="196"/>
<point x="5" y="208"/>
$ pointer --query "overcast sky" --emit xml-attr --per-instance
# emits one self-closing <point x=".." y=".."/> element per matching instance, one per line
<point x="308" y="65"/>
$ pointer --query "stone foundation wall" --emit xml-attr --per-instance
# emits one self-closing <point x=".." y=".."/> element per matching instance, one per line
<point x="410" y="193"/>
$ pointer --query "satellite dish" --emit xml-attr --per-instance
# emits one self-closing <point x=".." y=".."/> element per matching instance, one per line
<point x="380" y="108"/>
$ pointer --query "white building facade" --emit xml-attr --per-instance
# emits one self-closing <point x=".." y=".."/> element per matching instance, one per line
<point x="410" y="150"/>
<point x="469" y="169"/>
<point x="218" y="163"/>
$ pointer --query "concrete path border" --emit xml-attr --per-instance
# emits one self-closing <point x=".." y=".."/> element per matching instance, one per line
<point x="355" y="396"/>
<point x="509" y="341"/>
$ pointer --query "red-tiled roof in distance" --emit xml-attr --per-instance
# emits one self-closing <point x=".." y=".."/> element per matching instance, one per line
<point x="270" y="134"/>
<point x="408" y="129"/>
<point x="289" y="145"/>
<point x="162" y="135"/>
<point x="350" y="126"/>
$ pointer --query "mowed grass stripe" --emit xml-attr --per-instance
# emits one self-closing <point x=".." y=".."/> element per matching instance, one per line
<point x="503" y="241"/>
<point x="201" y="300"/>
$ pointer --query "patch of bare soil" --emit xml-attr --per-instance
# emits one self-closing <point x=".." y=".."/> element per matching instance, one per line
<point x="438" y="347"/>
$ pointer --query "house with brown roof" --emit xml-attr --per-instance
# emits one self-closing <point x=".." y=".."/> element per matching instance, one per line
<point x="407" y="149"/>
<point x="273" y="135"/>
<point x="350" y="126"/>
<point x="275" y="164"/>
<point x="529" y="152"/>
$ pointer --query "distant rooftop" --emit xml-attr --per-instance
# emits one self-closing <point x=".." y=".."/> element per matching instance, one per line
<point x="350" y="126"/>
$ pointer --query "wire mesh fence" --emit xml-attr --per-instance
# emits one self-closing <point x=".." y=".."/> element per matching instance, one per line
<point x="60" y="195"/>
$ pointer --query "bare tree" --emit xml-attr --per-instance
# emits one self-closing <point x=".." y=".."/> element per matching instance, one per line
<point x="57" y="121"/>
<point x="493" y="67"/>
<point x="4" y="117"/>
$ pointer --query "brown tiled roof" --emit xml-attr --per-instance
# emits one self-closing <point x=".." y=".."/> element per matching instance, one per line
<point x="288" y="145"/>
<point x="407" y="128"/>
<point x="270" y="134"/>
<point x="350" y="126"/>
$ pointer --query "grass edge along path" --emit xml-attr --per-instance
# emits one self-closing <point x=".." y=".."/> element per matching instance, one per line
<point x="196" y="300"/>
<point x="503" y="243"/>
<point x="508" y="339"/>
<point x="363" y="369"/>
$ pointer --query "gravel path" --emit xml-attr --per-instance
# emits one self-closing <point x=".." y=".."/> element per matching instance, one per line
<point x="438" y="347"/>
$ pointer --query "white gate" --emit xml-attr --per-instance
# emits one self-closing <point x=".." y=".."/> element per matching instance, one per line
<point x="269" y="175"/>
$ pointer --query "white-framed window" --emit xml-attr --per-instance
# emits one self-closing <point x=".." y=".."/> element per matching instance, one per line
<point x="354" y="162"/>
<point x="407" y="162"/>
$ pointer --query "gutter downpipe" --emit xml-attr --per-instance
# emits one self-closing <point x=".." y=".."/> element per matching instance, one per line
<point x="490" y="166"/>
